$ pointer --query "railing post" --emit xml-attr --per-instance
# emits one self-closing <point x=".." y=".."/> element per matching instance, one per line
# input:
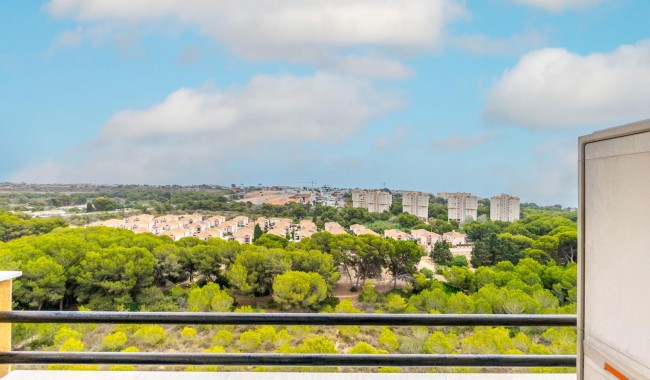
<point x="6" y="279"/>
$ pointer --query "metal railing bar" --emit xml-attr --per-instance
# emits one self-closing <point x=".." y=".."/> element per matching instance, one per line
<point x="334" y="319"/>
<point x="419" y="360"/>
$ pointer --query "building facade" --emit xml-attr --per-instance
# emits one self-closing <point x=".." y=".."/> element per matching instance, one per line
<point x="462" y="207"/>
<point x="416" y="203"/>
<point x="504" y="207"/>
<point x="372" y="200"/>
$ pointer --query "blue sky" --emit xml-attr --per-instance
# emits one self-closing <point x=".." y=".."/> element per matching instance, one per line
<point x="485" y="96"/>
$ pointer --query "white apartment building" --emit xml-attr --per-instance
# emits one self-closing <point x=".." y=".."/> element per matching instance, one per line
<point x="504" y="207"/>
<point x="372" y="200"/>
<point x="462" y="207"/>
<point x="416" y="203"/>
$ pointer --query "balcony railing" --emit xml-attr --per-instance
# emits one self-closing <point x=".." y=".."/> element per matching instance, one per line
<point x="393" y="360"/>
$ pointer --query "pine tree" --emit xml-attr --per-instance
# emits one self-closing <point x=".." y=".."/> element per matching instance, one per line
<point x="257" y="232"/>
<point x="441" y="253"/>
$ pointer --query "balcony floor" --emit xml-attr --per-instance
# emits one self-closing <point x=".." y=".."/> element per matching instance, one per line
<point x="155" y="375"/>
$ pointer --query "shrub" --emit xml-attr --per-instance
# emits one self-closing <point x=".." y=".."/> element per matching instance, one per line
<point x="150" y="334"/>
<point x="115" y="341"/>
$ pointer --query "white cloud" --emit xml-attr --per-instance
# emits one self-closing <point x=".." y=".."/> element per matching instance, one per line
<point x="515" y="44"/>
<point x="299" y="31"/>
<point x="554" y="88"/>
<point x="462" y="142"/>
<point x="205" y="135"/>
<point x="558" y="5"/>
<point x="68" y="39"/>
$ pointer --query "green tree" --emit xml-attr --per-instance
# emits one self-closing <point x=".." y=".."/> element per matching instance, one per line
<point x="299" y="289"/>
<point x="113" y="276"/>
<point x="168" y="268"/>
<point x="104" y="204"/>
<point x="271" y="241"/>
<point x="43" y="281"/>
<point x="209" y="298"/>
<point x="441" y="253"/>
<point x="401" y="261"/>
<point x="257" y="232"/>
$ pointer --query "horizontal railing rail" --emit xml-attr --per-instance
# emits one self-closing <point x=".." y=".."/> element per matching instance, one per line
<point x="403" y="360"/>
<point x="334" y="319"/>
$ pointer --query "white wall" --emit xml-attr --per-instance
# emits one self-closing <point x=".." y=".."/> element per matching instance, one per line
<point x="614" y="313"/>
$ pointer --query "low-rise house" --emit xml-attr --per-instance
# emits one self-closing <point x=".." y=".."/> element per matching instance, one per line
<point x="301" y="234"/>
<point x="358" y="229"/>
<point x="114" y="223"/>
<point x="177" y="233"/>
<point x="334" y="228"/>
<point x="204" y="235"/>
<point x="242" y="221"/>
<point x="160" y="228"/>
<point x="142" y="221"/>
<point x="216" y="233"/>
<point x="455" y="238"/>
<point x="263" y="222"/>
<point x="189" y="219"/>
<point x="215" y="221"/>
<point x="274" y="221"/>
<point x="425" y="238"/>
<point x="397" y="235"/>
<point x="307" y="225"/>
<point x="244" y="236"/>
<point x="281" y="232"/>
<point x="229" y="226"/>
<point x="165" y="219"/>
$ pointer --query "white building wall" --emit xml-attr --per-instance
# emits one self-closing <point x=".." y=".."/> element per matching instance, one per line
<point x="462" y="207"/>
<point x="505" y="208"/>
<point x="417" y="204"/>
<point x="613" y="306"/>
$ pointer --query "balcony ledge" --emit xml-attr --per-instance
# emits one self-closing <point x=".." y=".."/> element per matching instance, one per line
<point x="160" y="375"/>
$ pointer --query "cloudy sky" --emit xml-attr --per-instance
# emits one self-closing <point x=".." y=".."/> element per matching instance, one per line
<point x="485" y="96"/>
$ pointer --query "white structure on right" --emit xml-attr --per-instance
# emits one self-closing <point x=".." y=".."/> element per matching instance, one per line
<point x="613" y="241"/>
<point x="504" y="207"/>
<point x="462" y="207"/>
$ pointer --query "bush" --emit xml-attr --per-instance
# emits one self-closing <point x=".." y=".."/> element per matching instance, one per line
<point x="249" y="340"/>
<point x="222" y="338"/>
<point x="458" y="261"/>
<point x="188" y="332"/>
<point x="115" y="341"/>
<point x="150" y="335"/>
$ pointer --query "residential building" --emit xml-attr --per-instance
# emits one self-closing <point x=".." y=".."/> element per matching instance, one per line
<point x="425" y="238"/>
<point x="397" y="235"/>
<point x="243" y="236"/>
<point x="455" y="238"/>
<point x="358" y="229"/>
<point x="462" y="207"/>
<point x="334" y="228"/>
<point x="216" y="220"/>
<point x="504" y="207"/>
<point x="372" y="200"/>
<point x="416" y="203"/>
<point x="262" y="222"/>
<point x="242" y="221"/>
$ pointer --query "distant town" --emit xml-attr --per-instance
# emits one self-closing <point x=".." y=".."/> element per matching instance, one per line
<point x="461" y="208"/>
